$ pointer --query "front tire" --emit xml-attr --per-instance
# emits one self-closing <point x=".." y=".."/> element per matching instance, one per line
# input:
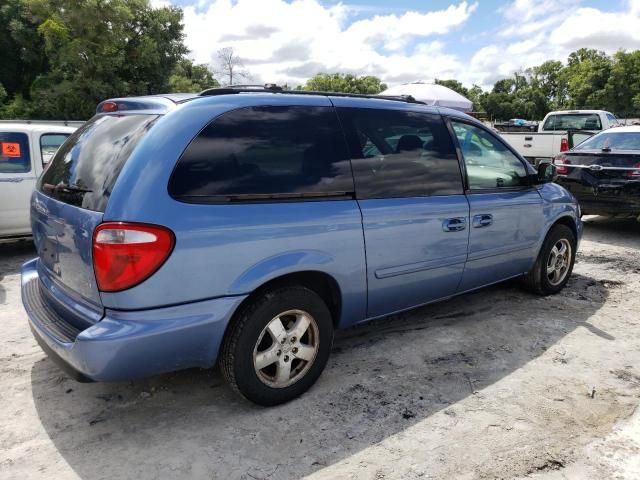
<point x="555" y="262"/>
<point x="278" y="346"/>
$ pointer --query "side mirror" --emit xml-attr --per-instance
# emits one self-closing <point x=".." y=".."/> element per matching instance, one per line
<point x="547" y="172"/>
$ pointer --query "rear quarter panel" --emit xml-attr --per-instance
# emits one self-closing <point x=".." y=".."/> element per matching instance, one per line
<point x="232" y="249"/>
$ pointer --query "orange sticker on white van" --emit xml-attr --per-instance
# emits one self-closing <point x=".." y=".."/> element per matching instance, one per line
<point x="10" y="149"/>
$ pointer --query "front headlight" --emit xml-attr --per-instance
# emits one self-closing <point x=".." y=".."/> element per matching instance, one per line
<point x="578" y="209"/>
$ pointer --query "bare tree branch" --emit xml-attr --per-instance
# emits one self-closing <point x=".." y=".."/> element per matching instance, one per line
<point x="230" y="66"/>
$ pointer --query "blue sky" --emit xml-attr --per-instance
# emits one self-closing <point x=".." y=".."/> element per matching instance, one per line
<point x="404" y="40"/>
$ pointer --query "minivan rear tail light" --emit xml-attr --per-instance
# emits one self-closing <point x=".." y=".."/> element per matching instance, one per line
<point x="559" y="161"/>
<point x="564" y="144"/>
<point x="635" y="174"/>
<point x="126" y="254"/>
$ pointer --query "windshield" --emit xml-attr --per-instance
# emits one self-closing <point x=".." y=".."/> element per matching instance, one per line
<point x="573" y="121"/>
<point x="612" y="141"/>
<point x="86" y="167"/>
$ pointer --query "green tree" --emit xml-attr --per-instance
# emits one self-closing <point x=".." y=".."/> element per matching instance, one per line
<point x="22" y="57"/>
<point x="586" y="76"/>
<point x="92" y="49"/>
<point x="622" y="90"/>
<point x="548" y="78"/>
<point x="345" y="83"/>
<point x="498" y="105"/>
<point x="506" y="86"/>
<point x="476" y="95"/>
<point x="189" y="77"/>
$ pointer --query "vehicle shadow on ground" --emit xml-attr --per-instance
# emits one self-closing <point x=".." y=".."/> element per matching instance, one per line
<point x="12" y="255"/>
<point x="613" y="231"/>
<point x="382" y="378"/>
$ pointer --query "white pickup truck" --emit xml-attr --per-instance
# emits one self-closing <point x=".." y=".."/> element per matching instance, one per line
<point x="558" y="132"/>
<point x="25" y="148"/>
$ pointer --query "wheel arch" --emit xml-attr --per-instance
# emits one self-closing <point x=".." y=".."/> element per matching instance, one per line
<point x="325" y="285"/>
<point x="568" y="221"/>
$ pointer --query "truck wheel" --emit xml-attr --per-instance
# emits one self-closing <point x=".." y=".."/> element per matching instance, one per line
<point x="555" y="262"/>
<point x="278" y="346"/>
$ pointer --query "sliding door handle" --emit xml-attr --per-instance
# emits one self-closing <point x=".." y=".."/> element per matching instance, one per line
<point x="456" y="224"/>
<point x="482" y="220"/>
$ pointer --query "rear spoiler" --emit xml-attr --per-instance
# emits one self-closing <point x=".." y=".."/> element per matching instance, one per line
<point x="158" y="104"/>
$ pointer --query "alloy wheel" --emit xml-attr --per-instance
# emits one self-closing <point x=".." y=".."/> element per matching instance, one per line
<point x="286" y="348"/>
<point x="559" y="262"/>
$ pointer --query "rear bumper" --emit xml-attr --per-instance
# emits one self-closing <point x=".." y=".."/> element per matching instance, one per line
<point x="127" y="345"/>
<point x="615" y="199"/>
<point x="593" y="206"/>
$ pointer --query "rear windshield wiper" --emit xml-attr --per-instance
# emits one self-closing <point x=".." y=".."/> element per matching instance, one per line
<point x="66" y="187"/>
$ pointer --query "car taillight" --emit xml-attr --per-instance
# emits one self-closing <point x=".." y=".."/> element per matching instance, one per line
<point x="564" y="144"/>
<point x="126" y="254"/>
<point x="635" y="174"/>
<point x="559" y="161"/>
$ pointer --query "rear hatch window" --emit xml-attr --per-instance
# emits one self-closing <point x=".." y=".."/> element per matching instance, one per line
<point x="573" y="121"/>
<point x="14" y="153"/>
<point x="612" y="141"/>
<point x="85" y="169"/>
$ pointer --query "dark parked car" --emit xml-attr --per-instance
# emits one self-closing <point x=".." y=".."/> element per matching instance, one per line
<point x="603" y="172"/>
<point x="243" y="227"/>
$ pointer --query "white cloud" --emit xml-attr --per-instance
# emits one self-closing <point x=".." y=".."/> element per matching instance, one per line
<point x="527" y="17"/>
<point x="290" y="41"/>
<point x="393" y="31"/>
<point x="493" y="62"/>
<point x="590" y="27"/>
<point x="535" y="31"/>
<point x="523" y="11"/>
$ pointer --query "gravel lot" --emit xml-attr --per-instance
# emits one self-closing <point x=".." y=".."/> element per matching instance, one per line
<point x="495" y="384"/>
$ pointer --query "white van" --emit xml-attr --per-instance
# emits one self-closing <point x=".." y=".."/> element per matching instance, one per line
<point x="25" y="148"/>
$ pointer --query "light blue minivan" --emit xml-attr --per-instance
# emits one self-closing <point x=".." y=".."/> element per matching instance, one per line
<point x="242" y="226"/>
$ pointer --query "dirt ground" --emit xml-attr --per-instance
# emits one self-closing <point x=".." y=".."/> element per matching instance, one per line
<point x="495" y="384"/>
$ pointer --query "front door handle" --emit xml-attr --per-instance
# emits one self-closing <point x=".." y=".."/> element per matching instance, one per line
<point x="482" y="220"/>
<point x="456" y="224"/>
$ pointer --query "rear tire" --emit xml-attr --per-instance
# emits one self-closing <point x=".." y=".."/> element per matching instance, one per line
<point x="278" y="346"/>
<point x="554" y="264"/>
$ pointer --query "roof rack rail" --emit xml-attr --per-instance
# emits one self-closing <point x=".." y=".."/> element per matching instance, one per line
<point x="267" y="87"/>
<point x="273" y="88"/>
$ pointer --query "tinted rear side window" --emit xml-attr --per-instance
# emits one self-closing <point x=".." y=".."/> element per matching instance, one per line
<point x="259" y="152"/>
<point x="401" y="154"/>
<point x="14" y="153"/>
<point x="85" y="169"/>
